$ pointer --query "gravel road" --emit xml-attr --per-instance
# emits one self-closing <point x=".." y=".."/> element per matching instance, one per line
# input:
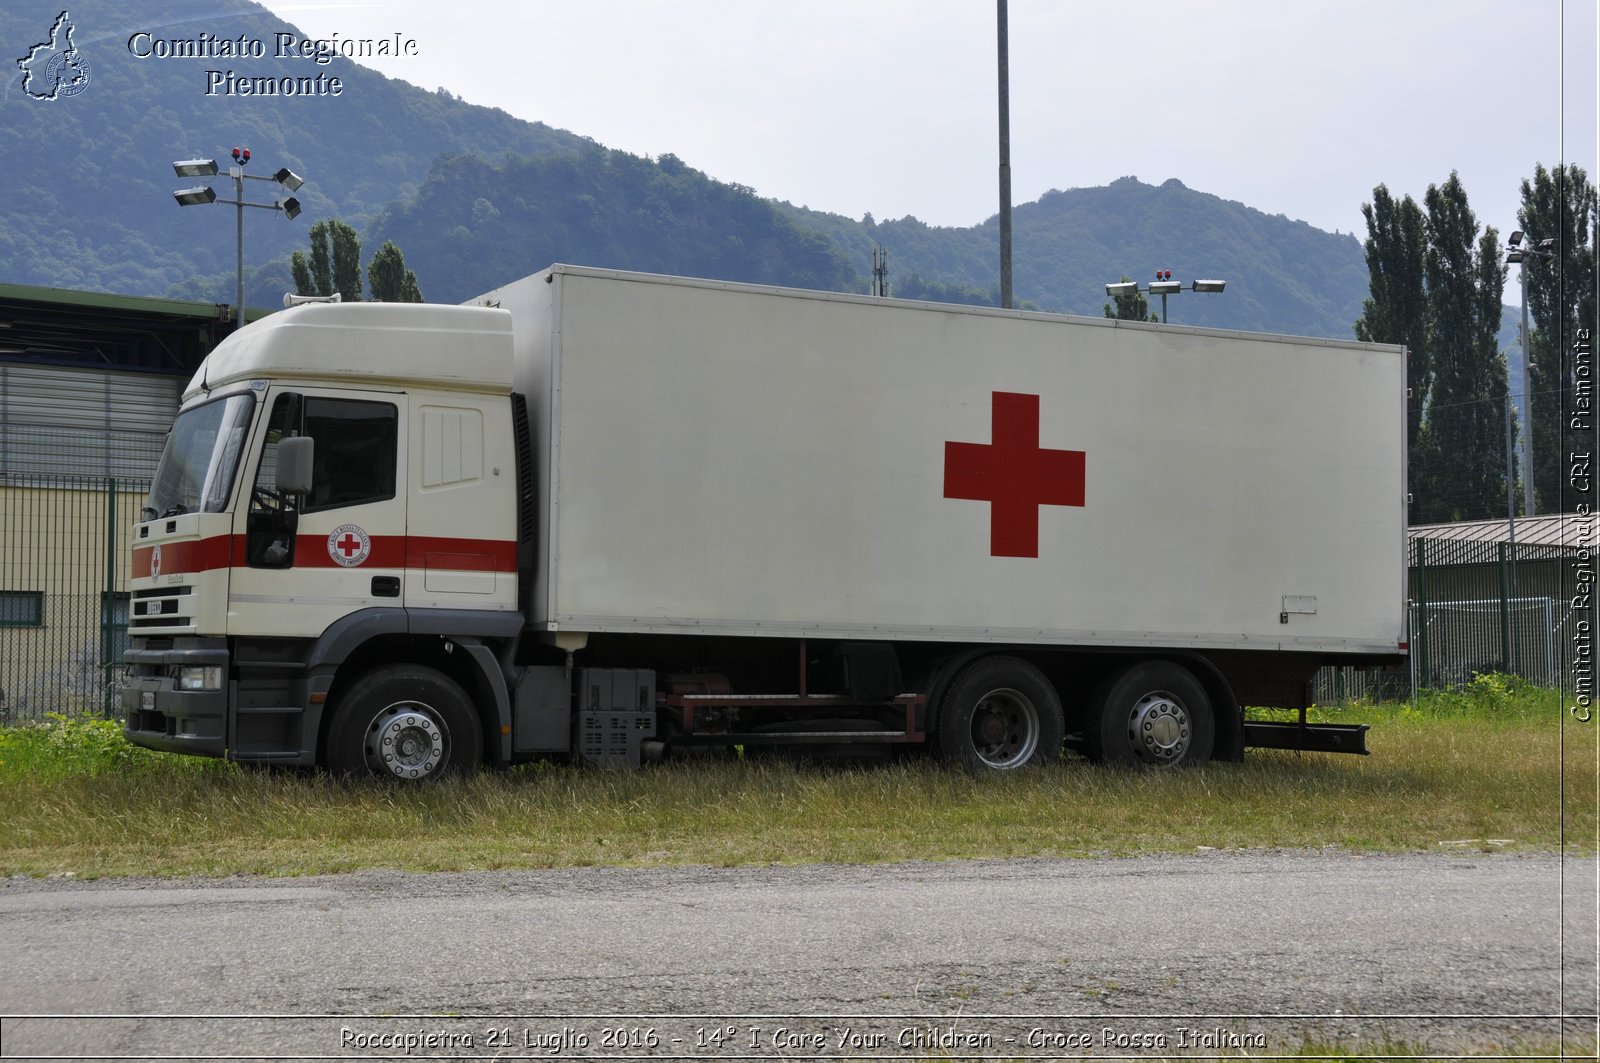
<point x="1210" y="952"/>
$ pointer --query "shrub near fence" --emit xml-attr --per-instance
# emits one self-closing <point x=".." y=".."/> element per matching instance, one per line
<point x="63" y="592"/>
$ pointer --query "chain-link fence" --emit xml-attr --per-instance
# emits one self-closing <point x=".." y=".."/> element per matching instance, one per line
<point x="63" y="591"/>
<point x="1476" y="607"/>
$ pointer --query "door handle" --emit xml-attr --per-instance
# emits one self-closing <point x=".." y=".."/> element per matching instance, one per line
<point x="386" y="586"/>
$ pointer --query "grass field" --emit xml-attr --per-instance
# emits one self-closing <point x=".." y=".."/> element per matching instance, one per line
<point x="1490" y="767"/>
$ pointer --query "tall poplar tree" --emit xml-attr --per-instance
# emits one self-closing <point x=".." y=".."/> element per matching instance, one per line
<point x="388" y="278"/>
<point x="1558" y="205"/>
<point x="335" y="264"/>
<point x="1464" y="434"/>
<point x="1397" y="309"/>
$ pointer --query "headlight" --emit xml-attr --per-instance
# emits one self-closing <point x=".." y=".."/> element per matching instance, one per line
<point x="200" y="677"/>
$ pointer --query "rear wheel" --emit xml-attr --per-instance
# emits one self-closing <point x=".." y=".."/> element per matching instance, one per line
<point x="998" y="714"/>
<point x="404" y="722"/>
<point x="1154" y="714"/>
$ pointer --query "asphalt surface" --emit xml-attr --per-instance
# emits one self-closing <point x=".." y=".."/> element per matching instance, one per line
<point x="1216" y="953"/>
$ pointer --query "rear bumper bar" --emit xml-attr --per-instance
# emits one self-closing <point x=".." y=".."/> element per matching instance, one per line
<point x="1310" y="737"/>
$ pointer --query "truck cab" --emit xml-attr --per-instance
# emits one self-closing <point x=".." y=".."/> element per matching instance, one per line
<point x="301" y="516"/>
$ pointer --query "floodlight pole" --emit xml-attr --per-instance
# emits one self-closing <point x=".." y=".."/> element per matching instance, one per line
<point x="1527" y="399"/>
<point x="1511" y="538"/>
<point x="1005" y="156"/>
<point x="285" y="178"/>
<point x="237" y="173"/>
<point x="1517" y="254"/>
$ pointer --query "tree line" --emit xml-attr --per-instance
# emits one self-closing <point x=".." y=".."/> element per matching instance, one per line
<point x="1437" y="281"/>
<point x="335" y="267"/>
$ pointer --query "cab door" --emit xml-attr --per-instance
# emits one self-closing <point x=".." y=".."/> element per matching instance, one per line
<point x="302" y="562"/>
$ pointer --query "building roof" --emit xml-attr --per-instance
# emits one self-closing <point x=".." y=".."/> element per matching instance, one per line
<point x="59" y="326"/>
<point x="1558" y="529"/>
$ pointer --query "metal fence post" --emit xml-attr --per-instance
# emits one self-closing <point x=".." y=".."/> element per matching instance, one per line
<point x="1424" y="676"/>
<point x="108" y="613"/>
<point x="1505" y="611"/>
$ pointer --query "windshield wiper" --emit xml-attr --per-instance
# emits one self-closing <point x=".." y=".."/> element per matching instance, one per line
<point x="176" y="511"/>
<point x="147" y="513"/>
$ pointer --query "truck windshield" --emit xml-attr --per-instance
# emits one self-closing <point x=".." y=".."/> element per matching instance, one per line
<point x="200" y="458"/>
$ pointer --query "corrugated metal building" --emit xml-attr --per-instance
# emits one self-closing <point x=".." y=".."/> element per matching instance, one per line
<point x="1487" y="596"/>
<point x="1492" y="596"/>
<point x="89" y="383"/>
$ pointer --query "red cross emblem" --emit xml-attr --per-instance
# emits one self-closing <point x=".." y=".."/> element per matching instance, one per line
<point x="1014" y="475"/>
<point x="349" y="545"/>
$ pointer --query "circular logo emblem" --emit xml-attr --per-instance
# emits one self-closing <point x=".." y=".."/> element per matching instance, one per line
<point x="67" y="74"/>
<point x="155" y="562"/>
<point x="349" y="545"/>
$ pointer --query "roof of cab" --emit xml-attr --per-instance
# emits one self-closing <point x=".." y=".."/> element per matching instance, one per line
<point x="453" y="347"/>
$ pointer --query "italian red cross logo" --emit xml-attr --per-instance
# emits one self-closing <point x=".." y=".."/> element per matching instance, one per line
<point x="349" y="545"/>
<point x="1014" y="475"/>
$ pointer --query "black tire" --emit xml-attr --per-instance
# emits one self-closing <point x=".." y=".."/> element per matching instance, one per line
<point x="404" y="722"/>
<point x="999" y="714"/>
<point x="1154" y="714"/>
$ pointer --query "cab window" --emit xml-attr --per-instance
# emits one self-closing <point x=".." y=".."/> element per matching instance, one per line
<point x="355" y="451"/>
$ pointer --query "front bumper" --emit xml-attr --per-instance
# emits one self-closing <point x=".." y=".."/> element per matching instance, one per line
<point x="158" y="714"/>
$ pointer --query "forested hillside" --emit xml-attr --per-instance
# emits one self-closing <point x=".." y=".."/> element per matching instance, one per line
<point x="89" y="177"/>
<point x="476" y="224"/>
<point x="474" y="197"/>
<point x="1283" y="275"/>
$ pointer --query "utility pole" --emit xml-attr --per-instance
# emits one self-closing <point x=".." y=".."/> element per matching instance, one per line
<point x="1005" y="159"/>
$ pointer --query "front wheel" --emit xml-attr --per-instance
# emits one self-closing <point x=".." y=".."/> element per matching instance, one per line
<point x="404" y="722"/>
<point x="1154" y="714"/>
<point x="998" y="714"/>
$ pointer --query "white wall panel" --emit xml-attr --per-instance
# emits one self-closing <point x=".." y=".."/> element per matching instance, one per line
<point x="751" y="461"/>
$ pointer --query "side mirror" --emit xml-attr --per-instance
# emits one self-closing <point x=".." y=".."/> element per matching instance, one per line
<point x="294" y="465"/>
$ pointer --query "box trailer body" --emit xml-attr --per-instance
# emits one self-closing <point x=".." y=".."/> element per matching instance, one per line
<point x="631" y="513"/>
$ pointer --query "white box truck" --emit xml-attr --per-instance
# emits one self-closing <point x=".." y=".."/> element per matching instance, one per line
<point x="607" y="515"/>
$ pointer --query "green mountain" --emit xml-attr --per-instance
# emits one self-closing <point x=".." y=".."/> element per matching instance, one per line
<point x="89" y="178"/>
<point x="475" y="197"/>
<point x="1283" y="276"/>
<point x="476" y="224"/>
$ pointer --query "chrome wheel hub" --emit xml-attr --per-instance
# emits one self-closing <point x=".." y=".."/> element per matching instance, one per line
<point x="1159" y="728"/>
<point x="405" y="741"/>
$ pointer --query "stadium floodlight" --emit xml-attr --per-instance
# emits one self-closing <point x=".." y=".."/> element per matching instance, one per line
<point x="194" y="197"/>
<point x="195" y="168"/>
<point x="189" y="197"/>
<point x="1163" y="286"/>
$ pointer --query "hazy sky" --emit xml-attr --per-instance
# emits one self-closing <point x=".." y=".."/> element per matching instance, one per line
<point x="888" y="106"/>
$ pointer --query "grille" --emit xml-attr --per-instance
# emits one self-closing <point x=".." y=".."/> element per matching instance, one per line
<point x="163" y="608"/>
